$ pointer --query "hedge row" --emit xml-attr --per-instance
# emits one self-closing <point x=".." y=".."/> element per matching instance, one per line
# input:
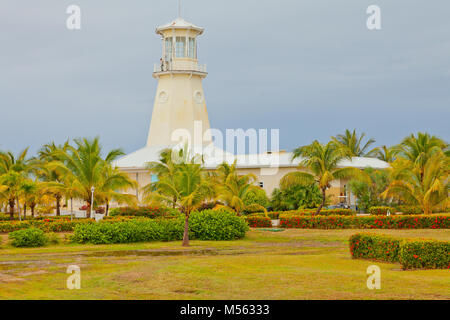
<point x="205" y="225"/>
<point x="47" y="225"/>
<point x="148" y="212"/>
<point x="324" y="212"/>
<point x="381" y="210"/>
<point x="258" y="221"/>
<point x="366" y="222"/>
<point x="411" y="253"/>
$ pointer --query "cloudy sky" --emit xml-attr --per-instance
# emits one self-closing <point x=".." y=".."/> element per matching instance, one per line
<point x="310" y="68"/>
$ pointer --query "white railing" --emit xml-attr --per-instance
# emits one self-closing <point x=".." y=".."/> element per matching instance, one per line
<point x="179" y="66"/>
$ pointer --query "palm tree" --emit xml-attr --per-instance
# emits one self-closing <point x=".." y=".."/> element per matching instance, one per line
<point x="418" y="149"/>
<point x="47" y="154"/>
<point x="85" y="165"/>
<point x="354" y="144"/>
<point x="322" y="162"/>
<point x="186" y="187"/>
<point x="113" y="181"/>
<point x="386" y="154"/>
<point x="13" y="171"/>
<point x="427" y="187"/>
<point x="233" y="188"/>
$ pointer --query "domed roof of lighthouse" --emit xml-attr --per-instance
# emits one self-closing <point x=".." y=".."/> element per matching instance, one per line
<point x="179" y="23"/>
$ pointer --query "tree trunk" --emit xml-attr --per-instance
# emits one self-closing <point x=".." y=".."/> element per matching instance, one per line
<point x="32" y="206"/>
<point x="88" y="211"/>
<point x="11" y="209"/>
<point x="186" y="231"/>
<point x="323" y="201"/>
<point x="107" y="209"/>
<point x="18" y="210"/>
<point x="58" y="205"/>
<point x="71" y="208"/>
<point x="25" y="211"/>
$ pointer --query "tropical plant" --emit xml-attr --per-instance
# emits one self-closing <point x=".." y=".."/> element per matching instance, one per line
<point x="369" y="194"/>
<point x="354" y="143"/>
<point x="322" y="162"/>
<point x="85" y="167"/>
<point x="424" y="184"/>
<point x="185" y="187"/>
<point x="385" y="153"/>
<point x="296" y="197"/>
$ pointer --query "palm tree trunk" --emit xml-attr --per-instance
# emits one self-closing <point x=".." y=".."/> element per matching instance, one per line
<point x="107" y="209"/>
<point x="71" y="208"/>
<point x="32" y="206"/>
<point x="11" y="209"/>
<point x="323" y="201"/>
<point x="186" y="231"/>
<point x="58" y="205"/>
<point x="25" y="211"/>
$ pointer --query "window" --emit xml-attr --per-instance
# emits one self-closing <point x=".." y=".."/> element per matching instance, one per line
<point x="191" y="53"/>
<point x="180" y="51"/>
<point x="168" y="53"/>
<point x="154" y="178"/>
<point x="261" y="184"/>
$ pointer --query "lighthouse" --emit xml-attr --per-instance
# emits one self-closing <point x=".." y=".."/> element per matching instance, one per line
<point x="179" y="104"/>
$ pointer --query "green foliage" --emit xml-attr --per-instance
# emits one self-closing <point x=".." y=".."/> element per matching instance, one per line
<point x="217" y="225"/>
<point x="205" y="225"/>
<point x="369" y="194"/>
<point x="409" y="209"/>
<point x="31" y="237"/>
<point x="256" y="196"/>
<point x="53" y="238"/>
<point x="411" y="253"/>
<point x="381" y="210"/>
<point x="366" y="222"/>
<point x="296" y="197"/>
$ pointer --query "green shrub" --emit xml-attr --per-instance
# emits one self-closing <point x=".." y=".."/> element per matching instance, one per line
<point x="425" y="254"/>
<point x="53" y="238"/>
<point x="410" y="253"/>
<point x="217" y="225"/>
<point x="256" y="196"/>
<point x="381" y="210"/>
<point x="366" y="222"/>
<point x="205" y="225"/>
<point x="376" y="247"/>
<point x="31" y="237"/>
<point x="257" y="221"/>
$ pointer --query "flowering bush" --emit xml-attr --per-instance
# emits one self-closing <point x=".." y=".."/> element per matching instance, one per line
<point x="255" y="221"/>
<point x="366" y="222"/>
<point x="381" y="210"/>
<point x="411" y="253"/>
<point x="425" y="254"/>
<point x="376" y="247"/>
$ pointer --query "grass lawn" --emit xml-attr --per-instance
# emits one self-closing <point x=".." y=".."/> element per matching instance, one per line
<point x="293" y="264"/>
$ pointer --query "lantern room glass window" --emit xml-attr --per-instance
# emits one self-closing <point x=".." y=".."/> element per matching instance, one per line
<point x="192" y="48"/>
<point x="168" y="49"/>
<point x="180" y="50"/>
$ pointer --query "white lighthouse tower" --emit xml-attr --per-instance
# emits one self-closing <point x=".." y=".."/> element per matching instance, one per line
<point x="180" y="100"/>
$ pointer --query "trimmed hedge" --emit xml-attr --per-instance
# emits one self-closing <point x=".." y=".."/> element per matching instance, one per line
<point x="425" y="254"/>
<point x="148" y="212"/>
<point x="47" y="225"/>
<point x="366" y="222"/>
<point x="409" y="209"/>
<point x="410" y="253"/>
<point x="205" y="225"/>
<point x="324" y="212"/>
<point x="256" y="221"/>
<point x="381" y="210"/>
<point x="217" y="225"/>
<point x="376" y="247"/>
<point x="31" y="237"/>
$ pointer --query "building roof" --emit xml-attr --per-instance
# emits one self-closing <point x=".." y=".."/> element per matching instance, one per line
<point x="214" y="156"/>
<point x="179" y="23"/>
